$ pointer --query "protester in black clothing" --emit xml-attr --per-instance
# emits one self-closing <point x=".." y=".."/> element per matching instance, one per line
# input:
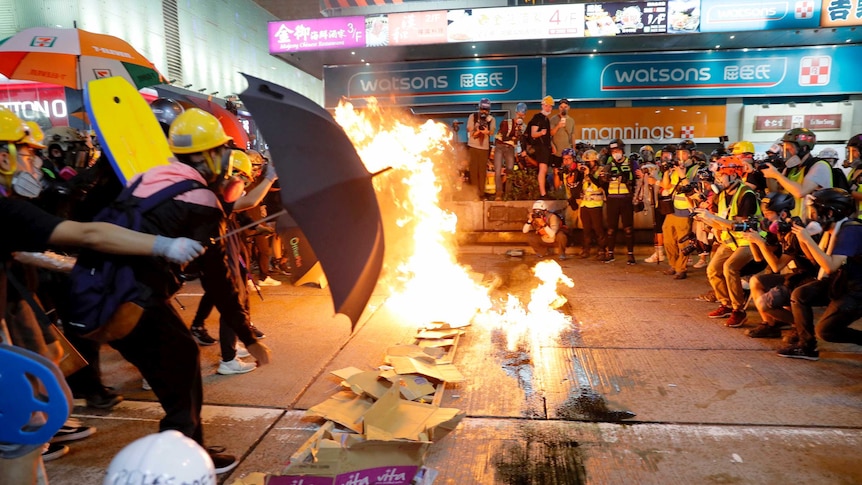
<point x="539" y="129"/>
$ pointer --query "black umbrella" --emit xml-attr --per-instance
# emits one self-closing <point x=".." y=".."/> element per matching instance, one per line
<point x="325" y="187"/>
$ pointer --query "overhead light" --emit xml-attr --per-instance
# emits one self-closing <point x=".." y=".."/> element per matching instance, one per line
<point x="732" y="36"/>
<point x="213" y="93"/>
<point x="187" y="86"/>
<point x="172" y="81"/>
<point x="202" y="90"/>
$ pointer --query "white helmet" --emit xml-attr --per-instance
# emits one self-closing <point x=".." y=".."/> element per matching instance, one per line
<point x="540" y="205"/>
<point x="828" y="153"/>
<point x="166" y="457"/>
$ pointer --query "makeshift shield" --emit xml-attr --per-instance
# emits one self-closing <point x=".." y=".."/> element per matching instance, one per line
<point x="325" y="187"/>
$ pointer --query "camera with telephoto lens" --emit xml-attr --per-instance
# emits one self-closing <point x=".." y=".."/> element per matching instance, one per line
<point x="773" y="158"/>
<point x="687" y="189"/>
<point x="666" y="165"/>
<point x="785" y="227"/>
<point x="753" y="224"/>
<point x="482" y="121"/>
<point x="689" y="244"/>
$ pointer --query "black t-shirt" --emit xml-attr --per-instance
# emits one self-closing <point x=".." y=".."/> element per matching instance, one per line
<point x="746" y="204"/>
<point x="26" y="227"/>
<point x="543" y="143"/>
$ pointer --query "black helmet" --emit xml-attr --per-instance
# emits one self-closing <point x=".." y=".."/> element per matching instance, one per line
<point x="718" y="153"/>
<point x="166" y="111"/>
<point x="802" y="137"/>
<point x="616" y="143"/>
<point x="839" y="201"/>
<point x="779" y="201"/>
<point x="669" y="149"/>
<point x="855" y="141"/>
<point x="687" y="145"/>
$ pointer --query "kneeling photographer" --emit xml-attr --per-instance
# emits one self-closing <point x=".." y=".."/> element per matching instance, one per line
<point x="678" y="184"/>
<point x="737" y="206"/>
<point x="771" y="292"/>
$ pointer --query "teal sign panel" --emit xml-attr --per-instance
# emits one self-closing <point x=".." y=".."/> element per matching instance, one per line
<point x="411" y="84"/>
<point x="724" y="16"/>
<point x="777" y="72"/>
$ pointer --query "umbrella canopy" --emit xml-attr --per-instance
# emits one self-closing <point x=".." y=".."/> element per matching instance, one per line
<point x="72" y="57"/>
<point x="325" y="187"/>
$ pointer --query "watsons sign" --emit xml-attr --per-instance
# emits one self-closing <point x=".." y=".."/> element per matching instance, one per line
<point x="722" y="16"/>
<point x="436" y="83"/>
<point x="699" y="74"/>
<point x="716" y="74"/>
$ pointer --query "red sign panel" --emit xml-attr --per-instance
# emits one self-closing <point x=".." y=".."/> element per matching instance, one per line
<point x="823" y="122"/>
<point x="36" y="102"/>
<point x="772" y="123"/>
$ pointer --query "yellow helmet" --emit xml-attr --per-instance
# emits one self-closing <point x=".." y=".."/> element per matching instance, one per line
<point x="34" y="135"/>
<point x="241" y="163"/>
<point x="11" y="127"/>
<point x="195" y="131"/>
<point x="741" y="147"/>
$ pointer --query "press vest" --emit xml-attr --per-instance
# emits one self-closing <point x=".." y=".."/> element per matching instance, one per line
<point x="854" y="174"/>
<point x="621" y="177"/>
<point x="592" y="195"/>
<point x="680" y="201"/>
<point x="734" y="239"/>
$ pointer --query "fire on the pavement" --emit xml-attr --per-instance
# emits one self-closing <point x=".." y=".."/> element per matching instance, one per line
<point x="425" y="281"/>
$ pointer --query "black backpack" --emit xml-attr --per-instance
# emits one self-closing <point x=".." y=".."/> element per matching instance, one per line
<point x="839" y="179"/>
<point x="101" y="284"/>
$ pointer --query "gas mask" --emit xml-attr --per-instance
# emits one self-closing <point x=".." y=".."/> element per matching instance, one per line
<point x="618" y="156"/>
<point x="722" y="183"/>
<point x="23" y="174"/>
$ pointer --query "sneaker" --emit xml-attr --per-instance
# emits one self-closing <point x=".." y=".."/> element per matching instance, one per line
<point x="269" y="281"/>
<point x="241" y="351"/>
<point x="72" y="430"/>
<point x="610" y="258"/>
<point x="223" y="463"/>
<point x="563" y="257"/>
<point x="146" y="385"/>
<point x="764" y="331"/>
<point x="797" y="352"/>
<point x="235" y="366"/>
<point x="631" y="261"/>
<point x="654" y="258"/>
<point x="256" y="331"/>
<point x="737" y="318"/>
<point x="720" y="312"/>
<point x="701" y="263"/>
<point x="669" y="272"/>
<point x="104" y="399"/>
<point x="792" y="338"/>
<point x="52" y="451"/>
<point x="601" y="256"/>
<point x="202" y="337"/>
<point x="680" y="276"/>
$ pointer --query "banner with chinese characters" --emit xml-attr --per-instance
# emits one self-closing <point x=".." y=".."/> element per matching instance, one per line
<point x="767" y="122"/>
<point x="775" y="72"/>
<point x="724" y="16"/>
<point x="418" y="83"/>
<point x="625" y="18"/>
<point x="316" y="34"/>
<point x="841" y="13"/>
<point x="414" y="28"/>
<point x="516" y="23"/>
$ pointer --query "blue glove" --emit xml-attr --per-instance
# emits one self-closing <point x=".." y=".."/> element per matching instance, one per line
<point x="179" y="250"/>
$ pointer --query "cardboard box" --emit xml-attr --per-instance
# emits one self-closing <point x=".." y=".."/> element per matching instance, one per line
<point x="330" y="458"/>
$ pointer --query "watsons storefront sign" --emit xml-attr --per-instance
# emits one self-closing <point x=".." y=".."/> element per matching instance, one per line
<point x="723" y="16"/>
<point x="792" y="71"/>
<point x="432" y="83"/>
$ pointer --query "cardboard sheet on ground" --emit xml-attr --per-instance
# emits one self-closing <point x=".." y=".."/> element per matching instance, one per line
<point x="440" y="333"/>
<point x="430" y="355"/>
<point x="339" y="459"/>
<point x="393" y="418"/>
<point x="344" y="408"/>
<point x="441" y="372"/>
<point x="443" y="342"/>
<point x="411" y="386"/>
<point x="363" y="382"/>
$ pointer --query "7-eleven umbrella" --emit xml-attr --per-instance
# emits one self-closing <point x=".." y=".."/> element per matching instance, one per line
<point x="72" y="57"/>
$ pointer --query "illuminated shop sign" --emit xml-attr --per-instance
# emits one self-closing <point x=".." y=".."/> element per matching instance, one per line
<point x="432" y="83"/>
<point x="516" y="23"/>
<point x="625" y="18"/>
<point x="795" y="71"/>
<point x="721" y="16"/>
<point x="841" y="13"/>
<point x="316" y="34"/>
<point x="415" y="28"/>
<point x="45" y="104"/>
<point x="782" y="123"/>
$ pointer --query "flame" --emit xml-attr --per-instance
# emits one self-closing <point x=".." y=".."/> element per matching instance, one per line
<point x="425" y="282"/>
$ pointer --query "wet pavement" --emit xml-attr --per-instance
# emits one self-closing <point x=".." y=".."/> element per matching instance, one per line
<point x="641" y="387"/>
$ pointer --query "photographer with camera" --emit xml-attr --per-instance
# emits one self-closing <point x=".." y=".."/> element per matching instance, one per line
<point x="737" y="206"/>
<point x="803" y="172"/>
<point x="678" y="183"/>
<point x="480" y="126"/>
<point x="590" y="193"/>
<point x="624" y="177"/>
<point x="771" y="292"/>
<point x="504" y="149"/>
<point x="562" y="133"/>
<point x="838" y="286"/>
<point x="744" y="152"/>
<point x="543" y="229"/>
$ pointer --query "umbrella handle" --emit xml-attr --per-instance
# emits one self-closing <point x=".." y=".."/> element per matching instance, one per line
<point x="270" y="217"/>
